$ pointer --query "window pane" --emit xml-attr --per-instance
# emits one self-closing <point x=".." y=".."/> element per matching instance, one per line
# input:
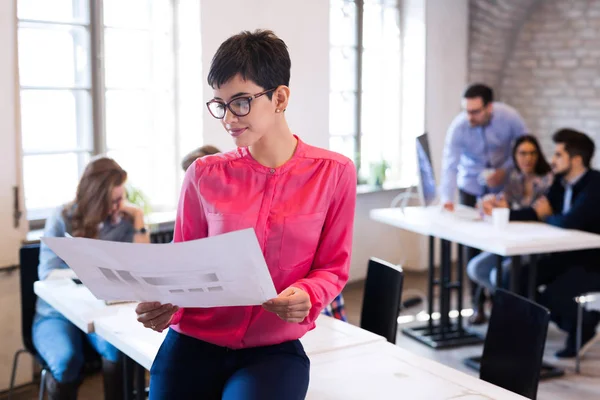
<point x="153" y="171"/>
<point x="342" y="23"/>
<point x="372" y="25"/>
<point x="345" y="145"/>
<point x="63" y="51"/>
<point x="128" y="118"/>
<point x="50" y="119"/>
<point x="342" y="69"/>
<point x="342" y="113"/>
<point x="381" y="105"/>
<point x="51" y="180"/>
<point x="128" y="58"/>
<point x="54" y="10"/>
<point x="129" y="13"/>
<point x="191" y="83"/>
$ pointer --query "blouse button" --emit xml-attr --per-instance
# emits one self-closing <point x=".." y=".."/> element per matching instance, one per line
<point x="272" y="171"/>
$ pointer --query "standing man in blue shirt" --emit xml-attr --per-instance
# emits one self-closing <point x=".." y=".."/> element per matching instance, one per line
<point x="477" y="158"/>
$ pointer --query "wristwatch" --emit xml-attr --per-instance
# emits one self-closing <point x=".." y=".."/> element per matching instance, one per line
<point x="142" y="231"/>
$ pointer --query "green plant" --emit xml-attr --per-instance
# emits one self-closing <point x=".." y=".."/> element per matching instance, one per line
<point x="139" y="198"/>
<point x="379" y="172"/>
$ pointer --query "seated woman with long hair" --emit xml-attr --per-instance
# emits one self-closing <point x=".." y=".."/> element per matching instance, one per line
<point x="99" y="211"/>
<point x="528" y="181"/>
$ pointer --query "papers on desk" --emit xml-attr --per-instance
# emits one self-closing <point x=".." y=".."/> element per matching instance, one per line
<point x="224" y="270"/>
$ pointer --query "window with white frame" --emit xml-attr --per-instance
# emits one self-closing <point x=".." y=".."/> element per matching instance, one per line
<point x="121" y="78"/>
<point x="365" y="84"/>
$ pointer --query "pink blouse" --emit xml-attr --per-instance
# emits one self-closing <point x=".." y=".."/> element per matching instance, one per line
<point x="303" y="215"/>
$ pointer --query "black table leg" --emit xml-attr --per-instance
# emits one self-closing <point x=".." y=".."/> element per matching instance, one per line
<point x="444" y="286"/>
<point x="445" y="333"/>
<point x="127" y="378"/>
<point x="460" y="283"/>
<point x="431" y="282"/>
<point x="140" y="382"/>
<point x="515" y="275"/>
<point x="499" y="260"/>
<point x="531" y="283"/>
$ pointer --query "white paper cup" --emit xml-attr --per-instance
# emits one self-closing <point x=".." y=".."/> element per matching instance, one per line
<point x="500" y="217"/>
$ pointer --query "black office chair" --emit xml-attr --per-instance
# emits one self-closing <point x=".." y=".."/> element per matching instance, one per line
<point x="381" y="299"/>
<point x="159" y="236"/>
<point x="514" y="345"/>
<point x="29" y="256"/>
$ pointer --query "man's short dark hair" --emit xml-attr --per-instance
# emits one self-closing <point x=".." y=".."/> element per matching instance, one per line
<point x="576" y="144"/>
<point x="259" y="56"/>
<point x="479" y="90"/>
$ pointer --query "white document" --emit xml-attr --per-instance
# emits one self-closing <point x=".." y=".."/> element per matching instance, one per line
<point x="223" y="270"/>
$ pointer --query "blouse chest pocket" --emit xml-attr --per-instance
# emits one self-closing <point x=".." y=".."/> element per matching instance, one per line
<point x="223" y="223"/>
<point x="301" y="234"/>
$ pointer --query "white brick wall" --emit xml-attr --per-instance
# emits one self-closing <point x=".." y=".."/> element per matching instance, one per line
<point x="549" y="66"/>
<point x="493" y="27"/>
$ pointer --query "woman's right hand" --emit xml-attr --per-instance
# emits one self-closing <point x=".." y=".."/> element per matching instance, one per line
<point x="154" y="315"/>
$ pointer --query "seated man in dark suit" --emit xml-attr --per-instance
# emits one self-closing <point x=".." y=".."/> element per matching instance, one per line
<point x="572" y="202"/>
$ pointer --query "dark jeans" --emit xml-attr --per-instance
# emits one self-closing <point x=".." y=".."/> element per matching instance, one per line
<point x="188" y="368"/>
<point x="563" y="283"/>
<point x="477" y="294"/>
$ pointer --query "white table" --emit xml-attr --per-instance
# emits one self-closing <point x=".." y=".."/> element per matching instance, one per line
<point x="346" y="361"/>
<point x="384" y="371"/>
<point x="355" y="365"/>
<point x="73" y="301"/>
<point x="519" y="238"/>
<point x="86" y="312"/>
<point x="141" y="344"/>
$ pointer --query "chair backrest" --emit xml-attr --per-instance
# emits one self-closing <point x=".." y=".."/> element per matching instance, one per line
<point x="29" y="258"/>
<point x="165" y="236"/>
<point x="514" y="345"/>
<point x="381" y="299"/>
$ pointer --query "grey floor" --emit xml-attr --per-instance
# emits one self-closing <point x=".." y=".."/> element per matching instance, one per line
<point x="585" y="386"/>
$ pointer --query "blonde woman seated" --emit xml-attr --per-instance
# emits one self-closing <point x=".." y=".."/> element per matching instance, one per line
<point x="528" y="181"/>
<point x="99" y="211"/>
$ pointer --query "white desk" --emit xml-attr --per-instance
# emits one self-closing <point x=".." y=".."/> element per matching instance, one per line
<point x="385" y="371"/>
<point x="73" y="301"/>
<point x="118" y="323"/>
<point x="366" y="367"/>
<point x="141" y="344"/>
<point x="519" y="238"/>
<point x="347" y="362"/>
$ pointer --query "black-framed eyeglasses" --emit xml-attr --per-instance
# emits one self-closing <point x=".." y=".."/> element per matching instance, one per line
<point x="239" y="106"/>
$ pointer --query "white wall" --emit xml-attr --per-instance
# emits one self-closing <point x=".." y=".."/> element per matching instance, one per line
<point x="447" y="26"/>
<point x="10" y="238"/>
<point x="304" y="26"/>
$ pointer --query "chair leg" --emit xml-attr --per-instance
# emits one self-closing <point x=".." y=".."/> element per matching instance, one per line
<point x="42" y="384"/>
<point x="578" y="338"/>
<point x="13" y="374"/>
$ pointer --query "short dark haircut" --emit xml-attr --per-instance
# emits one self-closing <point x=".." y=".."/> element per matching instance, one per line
<point x="259" y="56"/>
<point x="541" y="166"/>
<point x="479" y="90"/>
<point x="576" y="144"/>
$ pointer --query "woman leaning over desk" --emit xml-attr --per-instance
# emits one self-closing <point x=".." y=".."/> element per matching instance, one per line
<point x="98" y="211"/>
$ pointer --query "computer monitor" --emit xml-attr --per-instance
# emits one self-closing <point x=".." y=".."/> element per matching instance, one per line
<point x="427" y="187"/>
